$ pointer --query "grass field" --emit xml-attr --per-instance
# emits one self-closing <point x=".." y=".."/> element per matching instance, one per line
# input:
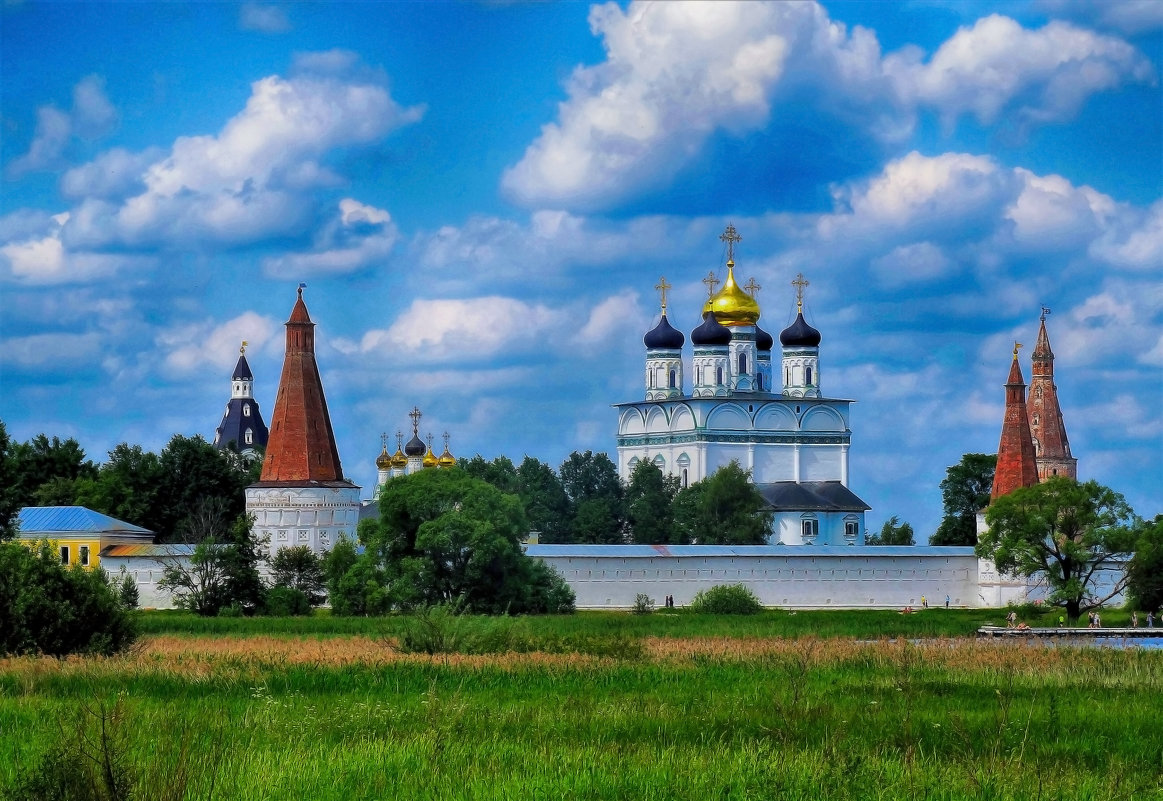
<point x="806" y="706"/>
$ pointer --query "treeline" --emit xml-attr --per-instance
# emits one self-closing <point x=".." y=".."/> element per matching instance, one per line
<point x="585" y="501"/>
<point x="163" y="492"/>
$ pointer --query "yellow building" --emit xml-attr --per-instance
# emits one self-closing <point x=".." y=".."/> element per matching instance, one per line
<point x="78" y="534"/>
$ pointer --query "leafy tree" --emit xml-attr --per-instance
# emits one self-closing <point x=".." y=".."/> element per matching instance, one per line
<point x="595" y="496"/>
<point x="446" y="536"/>
<point x="9" y="499"/>
<point x="500" y="472"/>
<point x="223" y="570"/>
<point x="725" y="508"/>
<point x="300" y="569"/>
<point x="544" y="498"/>
<point x="51" y="609"/>
<point x="649" y="504"/>
<point x="1145" y="571"/>
<point x="127" y="591"/>
<point x="1063" y="531"/>
<point x="41" y="461"/>
<point x="127" y="487"/>
<point x="965" y="492"/>
<point x="893" y="532"/>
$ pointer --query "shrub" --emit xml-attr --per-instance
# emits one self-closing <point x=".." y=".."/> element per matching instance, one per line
<point x="726" y="599"/>
<point x="48" y="608"/>
<point x="287" y="602"/>
<point x="127" y="591"/>
<point x="435" y="629"/>
<point x="643" y="604"/>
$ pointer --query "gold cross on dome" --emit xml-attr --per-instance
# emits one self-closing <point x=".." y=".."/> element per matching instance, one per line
<point x="711" y="281"/>
<point x="446" y="437"/>
<point x="384" y="440"/>
<point x="429" y="438"/>
<point x="1016" y="346"/>
<point x="399" y="439"/>
<point x="662" y="286"/>
<point x="415" y="414"/>
<point x="730" y="236"/>
<point x="799" y="284"/>
<point x="752" y="287"/>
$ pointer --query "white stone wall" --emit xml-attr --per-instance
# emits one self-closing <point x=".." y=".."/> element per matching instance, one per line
<point x="610" y="577"/>
<point x="313" y="516"/>
<point x="147" y="572"/>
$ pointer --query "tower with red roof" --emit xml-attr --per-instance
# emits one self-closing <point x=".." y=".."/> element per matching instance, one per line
<point x="1051" y="446"/>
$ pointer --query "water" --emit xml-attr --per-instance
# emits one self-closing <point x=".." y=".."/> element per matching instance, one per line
<point x="1150" y="643"/>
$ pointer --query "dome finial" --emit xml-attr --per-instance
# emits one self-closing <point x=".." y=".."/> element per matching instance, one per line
<point x="752" y="287"/>
<point x="245" y="343"/>
<point x="711" y="281"/>
<point x="1016" y="346"/>
<point x="799" y="284"/>
<point x="415" y="414"/>
<point x="1042" y="319"/>
<point x="730" y="236"/>
<point x="662" y="286"/>
<point x="302" y="286"/>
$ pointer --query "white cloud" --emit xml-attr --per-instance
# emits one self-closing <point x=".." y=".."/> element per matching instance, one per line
<point x="192" y="347"/>
<point x="920" y="262"/>
<point x="615" y="320"/>
<point x="92" y="116"/>
<point x="358" y="237"/>
<point x="263" y="18"/>
<point x="113" y="174"/>
<point x="1134" y="240"/>
<point x="50" y="351"/>
<point x="1051" y="212"/>
<point x="1126" y="16"/>
<point x="41" y="258"/>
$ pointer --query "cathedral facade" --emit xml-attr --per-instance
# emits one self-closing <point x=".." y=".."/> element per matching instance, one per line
<point x="772" y="418"/>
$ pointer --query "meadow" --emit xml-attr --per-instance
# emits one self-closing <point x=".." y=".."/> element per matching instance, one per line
<point x="817" y="705"/>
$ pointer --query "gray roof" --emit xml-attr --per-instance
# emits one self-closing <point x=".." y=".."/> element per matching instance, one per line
<point x="581" y="551"/>
<point x="38" y="522"/>
<point x="811" y="496"/>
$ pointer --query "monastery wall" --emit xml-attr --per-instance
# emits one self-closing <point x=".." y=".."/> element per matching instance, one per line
<point x="611" y="576"/>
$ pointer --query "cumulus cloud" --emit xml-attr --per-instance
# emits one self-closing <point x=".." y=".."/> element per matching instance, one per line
<point x="359" y="236"/>
<point x="55" y="350"/>
<point x="113" y="174"/>
<point x="1134" y="239"/>
<point x="263" y="18"/>
<point x="41" y="258"/>
<point x="1125" y="16"/>
<point x="676" y="73"/>
<point x="192" y="347"/>
<point x="92" y="116"/>
<point x="615" y="320"/>
<point x="920" y="262"/>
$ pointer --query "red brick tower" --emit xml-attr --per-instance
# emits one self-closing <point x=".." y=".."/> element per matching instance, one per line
<point x="301" y="450"/>
<point x="1051" y="447"/>
<point x="1016" y="466"/>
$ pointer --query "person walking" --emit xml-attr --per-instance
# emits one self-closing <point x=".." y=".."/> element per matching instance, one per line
<point x="1134" y="619"/>
<point x="1151" y="620"/>
<point x="924" y="603"/>
<point x="946" y="601"/>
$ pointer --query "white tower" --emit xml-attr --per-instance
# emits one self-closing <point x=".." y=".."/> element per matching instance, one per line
<point x="801" y="351"/>
<point x="663" y="355"/>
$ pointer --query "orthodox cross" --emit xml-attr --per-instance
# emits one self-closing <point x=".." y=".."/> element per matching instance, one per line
<point x="662" y="287"/>
<point x="429" y="438"/>
<point x="446" y="437"/>
<point x="1045" y="311"/>
<point x="415" y="414"/>
<point x="384" y="440"/>
<point x="243" y="348"/>
<point x="730" y="237"/>
<point x="799" y="284"/>
<point x="752" y="287"/>
<point x="1016" y="346"/>
<point x="711" y="281"/>
<point x="399" y="439"/>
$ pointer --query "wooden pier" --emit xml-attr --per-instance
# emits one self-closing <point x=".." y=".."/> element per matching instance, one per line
<point x="1068" y="633"/>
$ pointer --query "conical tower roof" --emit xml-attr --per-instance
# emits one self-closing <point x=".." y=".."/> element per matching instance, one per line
<point x="1051" y="446"/>
<point x="1015" y="452"/>
<point x="301" y="449"/>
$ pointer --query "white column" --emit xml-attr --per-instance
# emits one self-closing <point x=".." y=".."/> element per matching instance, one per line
<point x="844" y="465"/>
<point x="796" y="462"/>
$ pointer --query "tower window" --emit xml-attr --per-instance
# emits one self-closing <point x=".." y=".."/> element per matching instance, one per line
<point x="759" y="381"/>
<point x="808" y="376"/>
<point x="684" y="477"/>
<point x="249" y="437"/>
<point x="672" y="379"/>
<point x="742" y="364"/>
<point x="246" y="410"/>
<point x="719" y="375"/>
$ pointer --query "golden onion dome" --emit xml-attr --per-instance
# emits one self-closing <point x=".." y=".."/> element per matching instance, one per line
<point x="430" y="459"/>
<point x="447" y="459"/>
<point x="399" y="460"/>
<point x="732" y="305"/>
<point x="383" y="461"/>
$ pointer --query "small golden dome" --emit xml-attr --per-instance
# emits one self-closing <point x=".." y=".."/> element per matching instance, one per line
<point x="447" y="459"/>
<point x="399" y="460"/>
<point x="430" y="459"/>
<point x="383" y="461"/>
<point x="731" y="305"/>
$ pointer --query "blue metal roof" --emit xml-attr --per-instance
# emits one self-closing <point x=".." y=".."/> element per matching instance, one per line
<point x="37" y="522"/>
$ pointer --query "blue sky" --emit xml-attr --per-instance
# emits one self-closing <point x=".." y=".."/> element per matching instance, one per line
<point x="481" y="199"/>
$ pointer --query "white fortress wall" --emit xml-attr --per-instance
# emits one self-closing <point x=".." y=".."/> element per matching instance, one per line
<point x="611" y="576"/>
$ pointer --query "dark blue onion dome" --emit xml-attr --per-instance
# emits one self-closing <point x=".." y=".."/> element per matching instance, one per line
<point x="242" y="370"/>
<point x="415" y="446"/>
<point x="799" y="334"/>
<point x="763" y="340"/>
<point x="711" y="332"/>
<point x="664" y="336"/>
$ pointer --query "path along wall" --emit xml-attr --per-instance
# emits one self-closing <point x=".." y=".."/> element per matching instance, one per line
<point x="611" y="576"/>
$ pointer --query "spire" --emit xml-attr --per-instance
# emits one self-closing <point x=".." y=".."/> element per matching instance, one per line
<point x="1051" y="446"/>
<point x="302" y="447"/>
<point x="1015" y="453"/>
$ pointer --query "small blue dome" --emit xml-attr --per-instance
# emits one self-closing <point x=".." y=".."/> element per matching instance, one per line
<point x="763" y="340"/>
<point x="664" y="336"/>
<point x="799" y="334"/>
<point x="711" y="332"/>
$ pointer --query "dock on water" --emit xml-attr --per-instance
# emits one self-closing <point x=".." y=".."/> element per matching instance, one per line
<point x="1117" y="633"/>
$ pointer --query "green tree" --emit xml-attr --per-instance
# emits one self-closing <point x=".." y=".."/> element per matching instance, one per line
<point x="356" y="585"/>
<point x="9" y="498"/>
<point x="128" y="487"/>
<point x="1062" y="531"/>
<point x="43" y="461"/>
<point x="649" y="504"/>
<point x="1145" y="571"/>
<point x="596" y="498"/>
<point x="298" y="568"/>
<point x="893" y="532"/>
<point x="500" y="472"/>
<point x="725" y="508"/>
<point x="545" y="501"/>
<point x="223" y="569"/>
<point x="446" y="536"/>
<point x="48" y="608"/>
<point x="964" y="492"/>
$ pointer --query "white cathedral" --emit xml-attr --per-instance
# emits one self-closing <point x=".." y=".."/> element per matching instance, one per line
<point x="792" y="438"/>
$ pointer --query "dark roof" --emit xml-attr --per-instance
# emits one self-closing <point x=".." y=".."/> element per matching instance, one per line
<point x="235" y="422"/>
<point x="711" y="332"/>
<point x="415" y="447"/>
<point x="811" y="496"/>
<point x="242" y="369"/>
<point x="799" y="334"/>
<point x="763" y="340"/>
<point x="38" y="522"/>
<point x="664" y="336"/>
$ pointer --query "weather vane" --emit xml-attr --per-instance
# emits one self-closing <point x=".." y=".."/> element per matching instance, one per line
<point x="243" y="348"/>
<point x="1045" y="311"/>
<point x="1016" y="346"/>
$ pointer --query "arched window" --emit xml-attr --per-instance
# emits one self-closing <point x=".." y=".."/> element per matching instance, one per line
<point x="742" y="364"/>
<point x="249" y="437"/>
<point x="246" y="410"/>
<point x="672" y="379"/>
<point x="685" y="480"/>
<point x="650" y="379"/>
<point x="759" y="381"/>
<point x="808" y="376"/>
<point x="719" y="375"/>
